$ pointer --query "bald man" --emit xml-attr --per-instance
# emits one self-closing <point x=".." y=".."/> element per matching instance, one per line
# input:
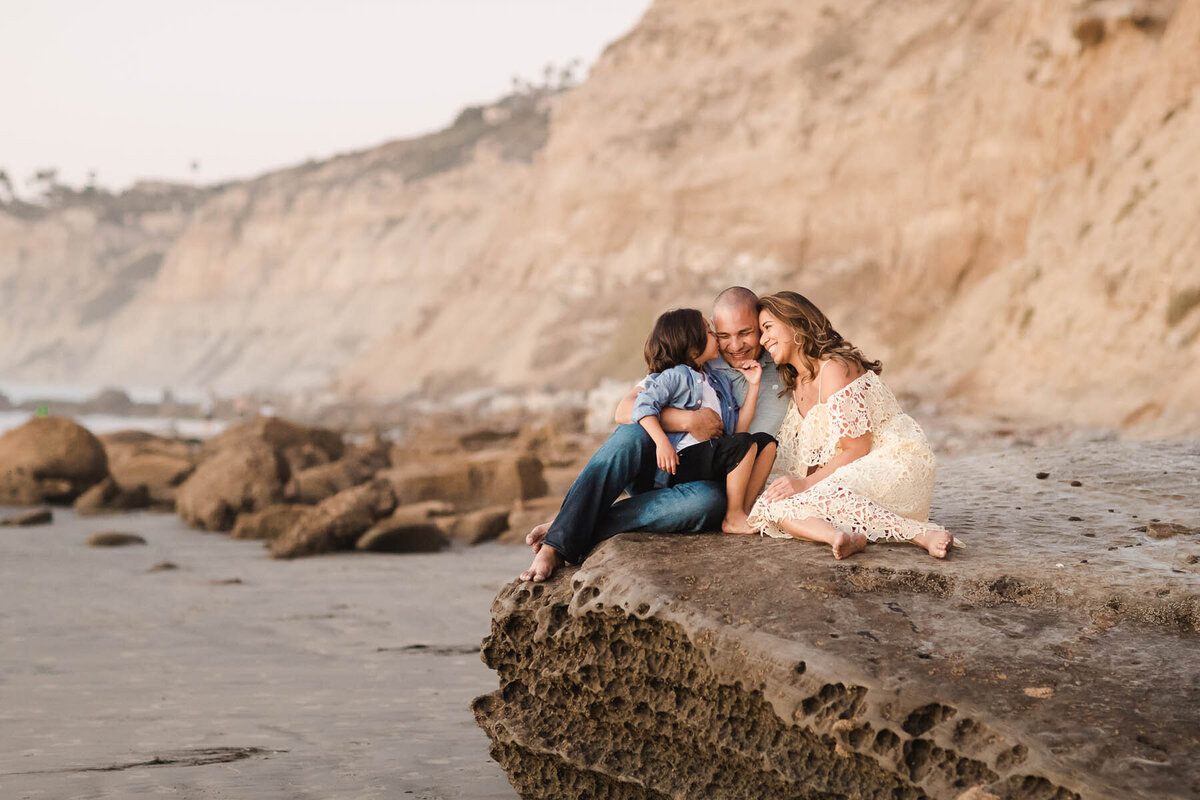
<point x="626" y="461"/>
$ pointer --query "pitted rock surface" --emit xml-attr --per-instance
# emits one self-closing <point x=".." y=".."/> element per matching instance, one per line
<point x="1050" y="658"/>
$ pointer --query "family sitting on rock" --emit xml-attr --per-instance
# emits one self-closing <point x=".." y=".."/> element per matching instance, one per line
<point x="859" y="468"/>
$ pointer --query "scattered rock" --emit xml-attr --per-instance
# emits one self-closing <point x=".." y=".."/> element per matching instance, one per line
<point x="114" y="539"/>
<point x="37" y="516"/>
<point x="270" y="523"/>
<point x="49" y="459"/>
<point x="109" y="400"/>
<point x="109" y="497"/>
<point x="393" y="536"/>
<point x="244" y="477"/>
<point x="163" y="566"/>
<point x="136" y="458"/>
<point x="1077" y="483"/>
<point x="1041" y="476"/>
<point x="314" y="484"/>
<point x="1167" y="530"/>
<point x="304" y="456"/>
<point x="423" y="511"/>
<point x="280" y="434"/>
<point x="478" y="480"/>
<point x="226" y="582"/>
<point x="1040" y="692"/>
<point x="478" y="526"/>
<point x="338" y="522"/>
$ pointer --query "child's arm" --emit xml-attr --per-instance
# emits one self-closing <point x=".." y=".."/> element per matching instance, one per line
<point x="753" y="372"/>
<point x="666" y="457"/>
<point x="703" y="423"/>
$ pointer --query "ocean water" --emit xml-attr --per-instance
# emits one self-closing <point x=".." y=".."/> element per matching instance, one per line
<point x="107" y="423"/>
<point x="49" y="393"/>
<point x="18" y="392"/>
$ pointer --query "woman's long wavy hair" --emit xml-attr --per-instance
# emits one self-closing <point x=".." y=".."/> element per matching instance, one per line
<point x="813" y="335"/>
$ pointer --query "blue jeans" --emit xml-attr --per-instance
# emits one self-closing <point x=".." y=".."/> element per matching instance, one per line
<point x="626" y="461"/>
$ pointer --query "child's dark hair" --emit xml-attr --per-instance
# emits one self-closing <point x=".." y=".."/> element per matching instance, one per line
<point x="678" y="337"/>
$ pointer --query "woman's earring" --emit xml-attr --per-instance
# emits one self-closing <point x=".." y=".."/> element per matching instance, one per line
<point x="796" y="339"/>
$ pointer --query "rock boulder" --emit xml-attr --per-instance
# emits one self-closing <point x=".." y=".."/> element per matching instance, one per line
<point x="337" y="522"/>
<point x="1052" y="658"/>
<point x="245" y="476"/>
<point x="270" y="523"/>
<point x="471" y="481"/>
<point x="49" y="458"/>
<point x="160" y="464"/>
<point x="280" y="434"/>
<point x="108" y="496"/>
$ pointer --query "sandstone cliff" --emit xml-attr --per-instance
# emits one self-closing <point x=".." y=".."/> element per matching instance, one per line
<point x="997" y="199"/>
<point x="1052" y="659"/>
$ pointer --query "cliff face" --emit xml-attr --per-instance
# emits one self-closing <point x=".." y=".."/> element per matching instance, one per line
<point x="997" y="199"/>
<point x="279" y="282"/>
<point x="1002" y="213"/>
<point x="64" y="275"/>
<point x="1049" y="659"/>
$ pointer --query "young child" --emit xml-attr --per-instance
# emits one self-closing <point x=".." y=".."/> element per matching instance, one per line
<point x="677" y="350"/>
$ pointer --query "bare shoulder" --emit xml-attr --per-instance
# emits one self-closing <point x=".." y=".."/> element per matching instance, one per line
<point x="836" y="375"/>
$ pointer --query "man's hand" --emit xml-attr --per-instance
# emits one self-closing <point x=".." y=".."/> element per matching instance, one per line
<point x="667" y="458"/>
<point x="783" y="487"/>
<point x="705" y="424"/>
<point x="624" y="413"/>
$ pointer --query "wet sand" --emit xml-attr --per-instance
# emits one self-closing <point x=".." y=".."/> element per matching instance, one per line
<point x="238" y="676"/>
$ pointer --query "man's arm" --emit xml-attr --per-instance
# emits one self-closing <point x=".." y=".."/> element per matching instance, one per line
<point x="703" y="423"/>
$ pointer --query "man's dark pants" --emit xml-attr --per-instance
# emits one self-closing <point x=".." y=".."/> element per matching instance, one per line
<point x="626" y="460"/>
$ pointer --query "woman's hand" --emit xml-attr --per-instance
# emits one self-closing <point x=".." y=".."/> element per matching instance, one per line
<point x="781" y="488"/>
<point x="753" y="372"/>
<point x="667" y="458"/>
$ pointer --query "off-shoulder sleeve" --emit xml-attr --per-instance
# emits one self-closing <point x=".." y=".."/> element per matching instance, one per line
<point x="852" y="411"/>
<point x="849" y="411"/>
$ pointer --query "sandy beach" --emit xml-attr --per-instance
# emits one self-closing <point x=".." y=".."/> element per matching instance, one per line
<point x="233" y="675"/>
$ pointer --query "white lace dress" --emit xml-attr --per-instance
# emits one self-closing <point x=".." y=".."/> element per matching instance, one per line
<point x="884" y="494"/>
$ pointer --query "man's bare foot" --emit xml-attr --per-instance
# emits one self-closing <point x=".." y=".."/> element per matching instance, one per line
<point x="936" y="543"/>
<point x="736" y="522"/>
<point x="847" y="544"/>
<point x="534" y="537"/>
<point x="544" y="563"/>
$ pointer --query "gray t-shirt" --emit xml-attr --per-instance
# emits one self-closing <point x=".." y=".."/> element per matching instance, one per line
<point x="768" y="414"/>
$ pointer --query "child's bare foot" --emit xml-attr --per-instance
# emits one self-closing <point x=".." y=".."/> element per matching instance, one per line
<point x="937" y="543"/>
<point x="847" y="544"/>
<point x="736" y="522"/>
<point x="544" y="563"/>
<point x="534" y="537"/>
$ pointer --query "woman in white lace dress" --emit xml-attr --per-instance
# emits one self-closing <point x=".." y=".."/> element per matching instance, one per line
<point x="861" y="469"/>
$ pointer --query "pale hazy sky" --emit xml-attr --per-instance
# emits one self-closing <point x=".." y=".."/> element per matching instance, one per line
<point x="139" y="88"/>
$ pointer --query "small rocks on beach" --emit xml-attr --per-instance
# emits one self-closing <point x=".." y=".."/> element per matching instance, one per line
<point x="38" y="516"/>
<point x="114" y="539"/>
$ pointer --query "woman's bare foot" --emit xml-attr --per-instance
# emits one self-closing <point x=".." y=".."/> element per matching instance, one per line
<point x="937" y="543"/>
<point x="534" y="537"/>
<point x="847" y="544"/>
<point x="736" y="522"/>
<point x="544" y="563"/>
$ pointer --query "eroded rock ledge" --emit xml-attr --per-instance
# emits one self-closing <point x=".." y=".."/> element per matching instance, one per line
<point x="1054" y="658"/>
